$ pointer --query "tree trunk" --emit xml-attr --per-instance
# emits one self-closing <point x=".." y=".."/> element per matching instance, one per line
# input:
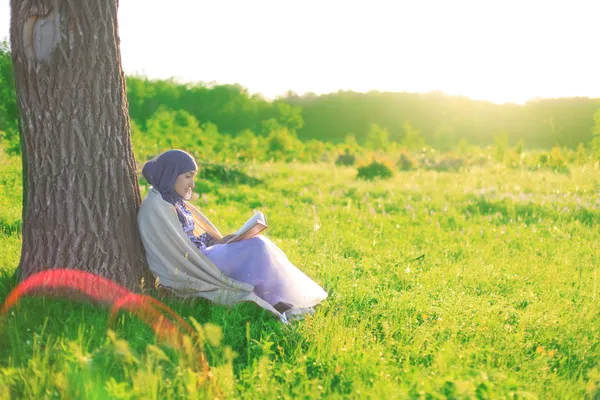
<point x="80" y="190"/>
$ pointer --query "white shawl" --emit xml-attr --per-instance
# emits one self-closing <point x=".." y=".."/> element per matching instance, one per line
<point x="178" y="264"/>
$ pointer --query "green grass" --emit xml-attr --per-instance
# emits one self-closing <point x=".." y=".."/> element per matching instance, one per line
<point x="502" y="303"/>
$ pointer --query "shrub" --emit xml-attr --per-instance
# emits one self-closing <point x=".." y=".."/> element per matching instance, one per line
<point x="247" y="146"/>
<point x="557" y="161"/>
<point x="225" y="174"/>
<point x="581" y="156"/>
<point x="283" y="145"/>
<point x="375" y="169"/>
<point x="377" y="138"/>
<point x="314" y="151"/>
<point x="553" y="160"/>
<point x="11" y="141"/>
<point x="542" y="159"/>
<point x="519" y="147"/>
<point x="406" y="162"/>
<point x="346" y="159"/>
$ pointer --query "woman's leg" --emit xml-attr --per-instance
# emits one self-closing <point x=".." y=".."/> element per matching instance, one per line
<point x="259" y="262"/>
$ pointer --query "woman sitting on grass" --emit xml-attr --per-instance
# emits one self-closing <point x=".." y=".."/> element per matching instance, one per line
<point x="188" y="254"/>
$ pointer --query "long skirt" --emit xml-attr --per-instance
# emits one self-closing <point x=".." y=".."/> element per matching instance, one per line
<point x="259" y="262"/>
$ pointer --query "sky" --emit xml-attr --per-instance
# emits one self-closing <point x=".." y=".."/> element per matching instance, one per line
<point x="501" y="51"/>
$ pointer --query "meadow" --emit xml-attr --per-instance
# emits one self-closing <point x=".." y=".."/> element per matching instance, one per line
<point x="477" y="283"/>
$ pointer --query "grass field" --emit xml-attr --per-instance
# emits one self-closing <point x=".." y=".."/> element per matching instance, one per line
<point x="478" y="284"/>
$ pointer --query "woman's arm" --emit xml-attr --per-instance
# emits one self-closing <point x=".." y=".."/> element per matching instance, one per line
<point x="224" y="239"/>
<point x="211" y="241"/>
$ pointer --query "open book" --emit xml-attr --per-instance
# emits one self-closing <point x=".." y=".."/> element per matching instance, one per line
<point x="251" y="228"/>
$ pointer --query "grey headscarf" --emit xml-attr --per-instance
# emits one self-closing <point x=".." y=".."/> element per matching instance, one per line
<point x="162" y="172"/>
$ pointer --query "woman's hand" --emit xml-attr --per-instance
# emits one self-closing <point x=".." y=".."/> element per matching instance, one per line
<point x="224" y="239"/>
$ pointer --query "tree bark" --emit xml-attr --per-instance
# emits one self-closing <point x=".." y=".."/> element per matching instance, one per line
<point x="80" y="189"/>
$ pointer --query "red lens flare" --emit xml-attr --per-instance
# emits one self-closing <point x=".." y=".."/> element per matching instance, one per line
<point x="168" y="326"/>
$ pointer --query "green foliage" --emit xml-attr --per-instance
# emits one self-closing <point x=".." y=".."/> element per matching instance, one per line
<point x="313" y="151"/>
<point x="377" y="138"/>
<point x="283" y="144"/>
<point x="9" y="130"/>
<point x="224" y="174"/>
<point x="440" y="117"/>
<point x="406" y="162"/>
<point x="442" y="120"/>
<point x="375" y="169"/>
<point x="351" y="143"/>
<point x="11" y="139"/>
<point x="346" y="159"/>
<point x="512" y="158"/>
<point x="581" y="157"/>
<point x="412" y="138"/>
<point x="171" y="129"/>
<point x="557" y="161"/>
<point x="501" y="146"/>
<point x="269" y="126"/>
<point x="444" y="137"/>
<point x="553" y="160"/>
<point x="247" y="146"/>
<point x="290" y="116"/>
<point x="465" y="148"/>
<point x="595" y="143"/>
<point x="230" y="107"/>
<point x="520" y="147"/>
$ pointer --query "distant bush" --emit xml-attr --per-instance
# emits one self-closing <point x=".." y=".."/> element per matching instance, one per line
<point x="351" y="144"/>
<point x="377" y="138"/>
<point x="283" y="145"/>
<point x="557" y="161"/>
<point x="11" y="140"/>
<point x="580" y="157"/>
<point x="406" y="162"/>
<point x="520" y="147"/>
<point x="346" y="159"/>
<point x="543" y="159"/>
<point x="247" y="146"/>
<point x="375" y="169"/>
<point x="553" y="160"/>
<point x="225" y="174"/>
<point x="314" y="151"/>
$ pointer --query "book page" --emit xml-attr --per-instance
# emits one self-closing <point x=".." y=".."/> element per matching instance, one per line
<point x="256" y="224"/>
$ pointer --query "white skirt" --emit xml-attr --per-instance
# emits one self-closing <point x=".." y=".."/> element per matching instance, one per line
<point x="260" y="263"/>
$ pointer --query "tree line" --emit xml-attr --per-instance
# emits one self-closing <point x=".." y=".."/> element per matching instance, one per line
<point x="441" y="121"/>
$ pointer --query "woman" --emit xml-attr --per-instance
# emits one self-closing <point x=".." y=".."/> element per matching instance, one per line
<point x="189" y="255"/>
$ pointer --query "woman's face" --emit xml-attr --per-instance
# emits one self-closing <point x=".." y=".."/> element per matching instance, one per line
<point x="184" y="184"/>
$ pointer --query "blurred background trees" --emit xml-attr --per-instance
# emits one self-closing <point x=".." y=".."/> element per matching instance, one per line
<point x="227" y="123"/>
